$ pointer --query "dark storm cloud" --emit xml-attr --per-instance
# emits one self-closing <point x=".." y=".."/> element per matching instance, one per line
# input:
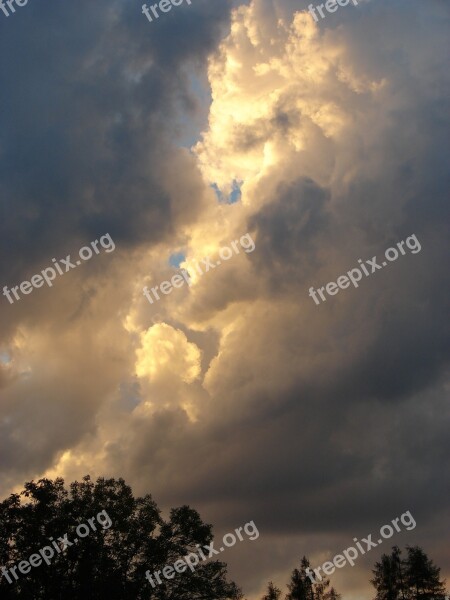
<point x="88" y="98"/>
<point x="289" y="231"/>
<point x="305" y="239"/>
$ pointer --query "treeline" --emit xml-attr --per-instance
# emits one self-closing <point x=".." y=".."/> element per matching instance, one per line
<point x="46" y="554"/>
<point x="414" y="577"/>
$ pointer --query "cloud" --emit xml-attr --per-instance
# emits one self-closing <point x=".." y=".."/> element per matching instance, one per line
<point x="165" y="352"/>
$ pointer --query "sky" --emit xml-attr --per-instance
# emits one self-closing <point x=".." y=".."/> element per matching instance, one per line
<point x="326" y="142"/>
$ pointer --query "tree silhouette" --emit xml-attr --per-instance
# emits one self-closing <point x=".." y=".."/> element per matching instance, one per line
<point x="414" y="578"/>
<point x="332" y="595"/>
<point x="130" y="539"/>
<point x="422" y="576"/>
<point x="273" y="593"/>
<point x="304" y="587"/>
<point x="389" y="579"/>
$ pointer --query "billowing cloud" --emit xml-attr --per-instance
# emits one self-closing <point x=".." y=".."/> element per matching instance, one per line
<point x="165" y="351"/>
